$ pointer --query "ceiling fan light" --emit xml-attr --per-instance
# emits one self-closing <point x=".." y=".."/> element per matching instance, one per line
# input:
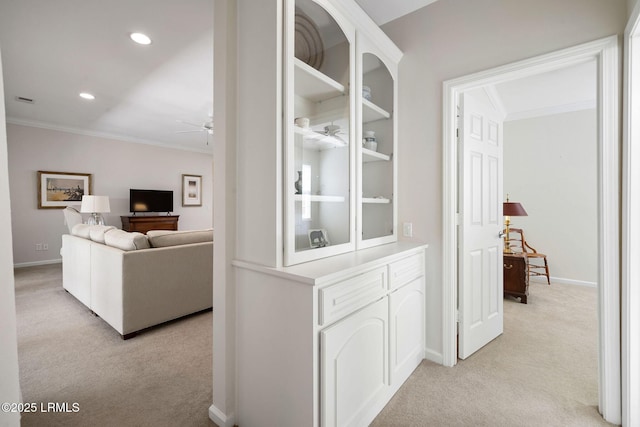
<point x="140" y="38"/>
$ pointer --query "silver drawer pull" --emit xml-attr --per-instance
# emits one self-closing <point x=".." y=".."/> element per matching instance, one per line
<point x="508" y="267"/>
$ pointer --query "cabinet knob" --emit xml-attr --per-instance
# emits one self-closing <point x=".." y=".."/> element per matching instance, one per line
<point x="508" y="267"/>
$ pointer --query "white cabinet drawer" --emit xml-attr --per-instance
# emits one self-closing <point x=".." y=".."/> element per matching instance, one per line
<point x="405" y="270"/>
<point x="344" y="297"/>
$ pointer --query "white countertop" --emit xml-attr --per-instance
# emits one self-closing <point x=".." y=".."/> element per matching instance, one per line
<point x="336" y="267"/>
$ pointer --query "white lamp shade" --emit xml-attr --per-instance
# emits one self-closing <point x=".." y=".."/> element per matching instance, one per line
<point x="95" y="204"/>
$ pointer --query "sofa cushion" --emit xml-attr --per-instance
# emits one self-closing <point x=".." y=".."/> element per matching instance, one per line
<point x="162" y="238"/>
<point x="81" y="230"/>
<point x="96" y="232"/>
<point x="125" y="240"/>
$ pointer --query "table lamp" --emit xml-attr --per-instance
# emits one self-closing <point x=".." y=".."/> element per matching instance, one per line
<point x="96" y="206"/>
<point x="510" y="209"/>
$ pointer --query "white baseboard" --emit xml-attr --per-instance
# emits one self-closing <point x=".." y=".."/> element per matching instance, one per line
<point x="220" y="418"/>
<point x="562" y="281"/>
<point x="35" y="263"/>
<point x="433" y="356"/>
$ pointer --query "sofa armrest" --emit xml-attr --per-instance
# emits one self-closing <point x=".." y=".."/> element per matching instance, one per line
<point x="76" y="267"/>
<point x="137" y="289"/>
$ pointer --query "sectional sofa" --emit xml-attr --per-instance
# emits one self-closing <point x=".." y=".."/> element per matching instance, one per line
<point x="135" y="281"/>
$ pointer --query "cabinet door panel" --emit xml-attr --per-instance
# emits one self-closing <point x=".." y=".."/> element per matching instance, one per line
<point x="354" y="367"/>
<point x="407" y="330"/>
<point x="376" y="186"/>
<point x="319" y="164"/>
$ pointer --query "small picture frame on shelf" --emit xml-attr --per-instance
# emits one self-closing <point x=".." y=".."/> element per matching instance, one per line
<point x="318" y="238"/>
<point x="191" y="190"/>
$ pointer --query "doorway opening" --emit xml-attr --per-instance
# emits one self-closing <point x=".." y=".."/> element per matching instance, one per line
<point x="604" y="52"/>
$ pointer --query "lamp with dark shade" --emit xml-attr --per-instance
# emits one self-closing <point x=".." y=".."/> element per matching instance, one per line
<point x="510" y="209"/>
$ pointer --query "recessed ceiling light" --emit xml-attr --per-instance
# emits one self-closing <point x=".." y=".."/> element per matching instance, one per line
<point x="140" y="38"/>
<point x="86" y="95"/>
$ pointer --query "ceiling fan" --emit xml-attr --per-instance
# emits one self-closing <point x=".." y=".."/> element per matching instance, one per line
<point x="204" y="127"/>
<point x="332" y="131"/>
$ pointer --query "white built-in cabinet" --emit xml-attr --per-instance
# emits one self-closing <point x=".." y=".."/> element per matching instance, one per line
<point x="368" y="353"/>
<point x="329" y="305"/>
<point x="328" y="343"/>
<point x="339" y="195"/>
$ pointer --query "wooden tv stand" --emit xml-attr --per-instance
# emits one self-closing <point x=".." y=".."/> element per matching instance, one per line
<point x="143" y="224"/>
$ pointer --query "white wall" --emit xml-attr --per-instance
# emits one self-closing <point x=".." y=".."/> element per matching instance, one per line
<point x="550" y="166"/>
<point x="9" y="381"/>
<point x="453" y="38"/>
<point x="116" y="167"/>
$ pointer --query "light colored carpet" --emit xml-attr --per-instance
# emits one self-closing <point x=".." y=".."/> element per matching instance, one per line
<point x="541" y="372"/>
<point x="162" y="377"/>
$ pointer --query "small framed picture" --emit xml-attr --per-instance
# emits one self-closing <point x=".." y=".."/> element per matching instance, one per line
<point x="191" y="190"/>
<point x="318" y="238"/>
<point x="57" y="190"/>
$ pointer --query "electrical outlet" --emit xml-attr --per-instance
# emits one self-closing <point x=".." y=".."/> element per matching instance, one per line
<point x="407" y="229"/>
<point x="45" y="246"/>
<point x="38" y="246"/>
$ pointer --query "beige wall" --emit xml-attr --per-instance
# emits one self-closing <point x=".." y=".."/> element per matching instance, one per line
<point x="550" y="166"/>
<point x="115" y="166"/>
<point x="453" y="38"/>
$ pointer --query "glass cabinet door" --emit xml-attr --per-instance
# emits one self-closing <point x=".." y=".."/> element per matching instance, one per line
<point x="377" y="204"/>
<point x="319" y="154"/>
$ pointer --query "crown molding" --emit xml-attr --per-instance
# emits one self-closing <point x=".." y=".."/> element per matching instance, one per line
<point x="549" y="111"/>
<point x="494" y="98"/>
<point x="105" y="135"/>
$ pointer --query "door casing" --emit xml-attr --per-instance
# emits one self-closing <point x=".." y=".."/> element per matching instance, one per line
<point x="605" y="53"/>
<point x="631" y="225"/>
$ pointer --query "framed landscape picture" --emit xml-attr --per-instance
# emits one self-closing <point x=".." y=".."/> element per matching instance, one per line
<point x="57" y="190"/>
<point x="191" y="190"/>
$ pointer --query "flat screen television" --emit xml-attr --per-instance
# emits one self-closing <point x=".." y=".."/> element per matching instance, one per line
<point x="150" y="200"/>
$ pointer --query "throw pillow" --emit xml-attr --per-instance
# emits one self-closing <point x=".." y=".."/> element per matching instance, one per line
<point x="81" y="230"/>
<point x="96" y="232"/>
<point x="125" y="240"/>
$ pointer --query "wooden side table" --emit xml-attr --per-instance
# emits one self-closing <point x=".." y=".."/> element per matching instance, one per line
<point x="516" y="279"/>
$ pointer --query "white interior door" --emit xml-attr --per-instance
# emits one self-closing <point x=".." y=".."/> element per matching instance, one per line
<point x="480" y="245"/>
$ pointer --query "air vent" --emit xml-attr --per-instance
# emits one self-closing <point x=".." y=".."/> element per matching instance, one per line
<point x="23" y="99"/>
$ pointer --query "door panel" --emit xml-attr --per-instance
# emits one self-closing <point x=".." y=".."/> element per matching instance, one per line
<point x="480" y="247"/>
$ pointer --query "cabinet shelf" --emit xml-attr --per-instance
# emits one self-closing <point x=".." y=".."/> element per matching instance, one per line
<point x="376" y="200"/>
<point x="317" y="141"/>
<point x="314" y="85"/>
<point x="317" y="198"/>
<point x="374" y="156"/>
<point x="371" y="112"/>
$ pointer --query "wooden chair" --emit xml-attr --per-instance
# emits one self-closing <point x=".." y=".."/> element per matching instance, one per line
<point x="518" y="244"/>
